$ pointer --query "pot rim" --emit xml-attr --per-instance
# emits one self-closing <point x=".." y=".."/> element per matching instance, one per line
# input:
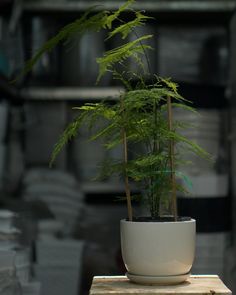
<point x="158" y="222"/>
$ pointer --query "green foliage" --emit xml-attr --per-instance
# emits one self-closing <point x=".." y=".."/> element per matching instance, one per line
<point x="87" y="22"/>
<point x="140" y="114"/>
<point x="151" y="167"/>
<point x="114" y="16"/>
<point x="120" y="54"/>
<point x="69" y="133"/>
<point x="128" y="27"/>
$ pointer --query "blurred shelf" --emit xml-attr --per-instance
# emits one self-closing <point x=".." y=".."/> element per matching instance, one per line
<point x="155" y="6"/>
<point x="70" y="93"/>
<point x="105" y="187"/>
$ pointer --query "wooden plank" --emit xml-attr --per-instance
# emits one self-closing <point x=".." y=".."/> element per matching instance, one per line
<point x="120" y="285"/>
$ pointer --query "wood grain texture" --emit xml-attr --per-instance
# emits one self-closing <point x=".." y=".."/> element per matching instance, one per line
<point x="196" y="285"/>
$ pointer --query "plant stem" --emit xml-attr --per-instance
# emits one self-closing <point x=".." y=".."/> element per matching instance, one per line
<point x="144" y="50"/>
<point x="155" y="198"/>
<point x="155" y="144"/>
<point x="172" y="164"/>
<point x="127" y="187"/>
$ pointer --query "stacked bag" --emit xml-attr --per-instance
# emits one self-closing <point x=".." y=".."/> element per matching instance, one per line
<point x="58" y="257"/>
<point x="15" y="262"/>
<point x="59" y="191"/>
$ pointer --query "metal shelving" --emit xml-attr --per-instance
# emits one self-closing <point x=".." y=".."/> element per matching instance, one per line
<point x="158" y="6"/>
<point x="105" y="187"/>
<point x="71" y="93"/>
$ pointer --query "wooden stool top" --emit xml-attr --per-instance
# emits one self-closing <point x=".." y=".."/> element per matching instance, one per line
<point x="195" y="285"/>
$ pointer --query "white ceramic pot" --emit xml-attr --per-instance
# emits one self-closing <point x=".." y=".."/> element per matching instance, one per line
<point x="158" y="252"/>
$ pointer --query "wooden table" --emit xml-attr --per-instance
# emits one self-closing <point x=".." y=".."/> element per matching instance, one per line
<point x="195" y="285"/>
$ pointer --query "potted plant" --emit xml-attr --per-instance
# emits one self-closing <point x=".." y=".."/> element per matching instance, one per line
<point x="159" y="248"/>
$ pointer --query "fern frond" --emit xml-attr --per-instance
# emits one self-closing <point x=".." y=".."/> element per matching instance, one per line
<point x="172" y="85"/>
<point x="165" y="92"/>
<point x="116" y="14"/>
<point x="98" y="109"/>
<point x="120" y="54"/>
<point x="195" y="148"/>
<point x="182" y="106"/>
<point x="150" y="160"/>
<point x="110" y="167"/>
<point x="120" y="77"/>
<point x="69" y="133"/>
<point x="128" y="27"/>
<point x="114" y="142"/>
<point x="105" y="131"/>
<point x="85" y="22"/>
<point x="182" y="189"/>
<point x="185" y="107"/>
<point x="183" y="125"/>
<point x="141" y="97"/>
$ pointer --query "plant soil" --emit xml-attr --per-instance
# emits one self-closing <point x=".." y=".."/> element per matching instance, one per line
<point x="160" y="219"/>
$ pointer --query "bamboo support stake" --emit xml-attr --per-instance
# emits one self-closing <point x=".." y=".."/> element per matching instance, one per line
<point x="172" y="164"/>
<point x="127" y="187"/>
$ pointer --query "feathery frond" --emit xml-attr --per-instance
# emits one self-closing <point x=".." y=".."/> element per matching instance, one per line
<point x="79" y="26"/>
<point x="140" y="114"/>
<point x="69" y="133"/>
<point x="111" y="18"/>
<point x="120" y="54"/>
<point x="125" y="29"/>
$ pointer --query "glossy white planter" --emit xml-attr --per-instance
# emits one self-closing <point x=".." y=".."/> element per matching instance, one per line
<point x="158" y="252"/>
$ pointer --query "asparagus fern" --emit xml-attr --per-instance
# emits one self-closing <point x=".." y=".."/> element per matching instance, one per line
<point x="142" y="116"/>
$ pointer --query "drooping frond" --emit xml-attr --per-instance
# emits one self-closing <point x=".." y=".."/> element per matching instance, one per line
<point x="69" y="133"/>
<point x="183" y="107"/>
<point x="91" y="22"/>
<point x="85" y="22"/>
<point x="120" y="54"/>
<point x="90" y="114"/>
<point x="193" y="147"/>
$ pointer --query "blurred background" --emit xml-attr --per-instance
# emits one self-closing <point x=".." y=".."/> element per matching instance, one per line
<point x="57" y="227"/>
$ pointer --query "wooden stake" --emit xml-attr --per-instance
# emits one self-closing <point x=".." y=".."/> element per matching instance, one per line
<point x="127" y="187"/>
<point x="172" y="164"/>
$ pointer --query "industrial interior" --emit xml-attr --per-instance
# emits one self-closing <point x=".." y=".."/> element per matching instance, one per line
<point x="61" y="223"/>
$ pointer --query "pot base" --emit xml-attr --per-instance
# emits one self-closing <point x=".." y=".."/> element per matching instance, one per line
<point x="158" y="280"/>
